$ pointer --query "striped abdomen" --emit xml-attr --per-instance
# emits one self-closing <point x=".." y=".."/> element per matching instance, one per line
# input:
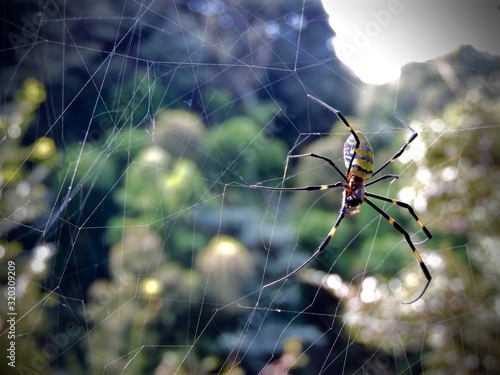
<point x="362" y="165"/>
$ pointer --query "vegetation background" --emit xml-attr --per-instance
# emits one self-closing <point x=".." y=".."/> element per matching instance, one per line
<point x="130" y="134"/>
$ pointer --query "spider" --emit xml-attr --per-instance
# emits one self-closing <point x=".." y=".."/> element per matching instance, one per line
<point x="358" y="159"/>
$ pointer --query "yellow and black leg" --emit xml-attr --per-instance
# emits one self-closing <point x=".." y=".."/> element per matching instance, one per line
<point x="321" y="247"/>
<point x="400" y="229"/>
<point x="410" y="210"/>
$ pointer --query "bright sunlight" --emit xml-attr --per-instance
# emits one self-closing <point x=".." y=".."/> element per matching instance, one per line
<point x="375" y="38"/>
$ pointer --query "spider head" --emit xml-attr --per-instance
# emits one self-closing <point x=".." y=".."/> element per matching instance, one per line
<point x="354" y="191"/>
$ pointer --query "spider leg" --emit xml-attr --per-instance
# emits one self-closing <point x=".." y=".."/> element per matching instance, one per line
<point x="329" y="161"/>
<point x="402" y="149"/>
<point x="311" y="187"/>
<point x="346" y="123"/>
<point x="400" y="229"/>
<point x="294" y="271"/>
<point x="321" y="247"/>
<point x="410" y="210"/>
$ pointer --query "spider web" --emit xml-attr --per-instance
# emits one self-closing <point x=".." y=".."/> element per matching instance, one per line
<point x="131" y="133"/>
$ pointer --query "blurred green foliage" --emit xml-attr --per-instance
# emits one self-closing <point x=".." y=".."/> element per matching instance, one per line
<point x="161" y="264"/>
<point x="457" y="319"/>
<point x="185" y="243"/>
<point x="24" y="169"/>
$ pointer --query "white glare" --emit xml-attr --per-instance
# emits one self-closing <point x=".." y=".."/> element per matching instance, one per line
<point x="369" y="291"/>
<point x="14" y="131"/>
<point x="434" y="261"/>
<point x="420" y="203"/>
<point x="41" y="254"/>
<point x="207" y="7"/>
<point x="438" y="125"/>
<point x="23" y="189"/>
<point x="369" y="283"/>
<point x="424" y="175"/>
<point x="333" y="281"/>
<point x="272" y="30"/>
<point x="297" y="21"/>
<point x="417" y="150"/>
<point x="412" y="279"/>
<point x="407" y="194"/>
<point x="375" y="38"/>
<point x="449" y="173"/>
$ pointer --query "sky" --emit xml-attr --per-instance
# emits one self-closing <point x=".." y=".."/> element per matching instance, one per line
<point x="375" y="38"/>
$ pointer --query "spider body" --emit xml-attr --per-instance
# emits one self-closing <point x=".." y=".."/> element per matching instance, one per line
<point x="359" y="161"/>
<point x="354" y="193"/>
<point x="360" y="164"/>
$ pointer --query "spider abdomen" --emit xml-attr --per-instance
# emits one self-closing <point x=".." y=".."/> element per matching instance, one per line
<point x="362" y="164"/>
<point x="354" y="191"/>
